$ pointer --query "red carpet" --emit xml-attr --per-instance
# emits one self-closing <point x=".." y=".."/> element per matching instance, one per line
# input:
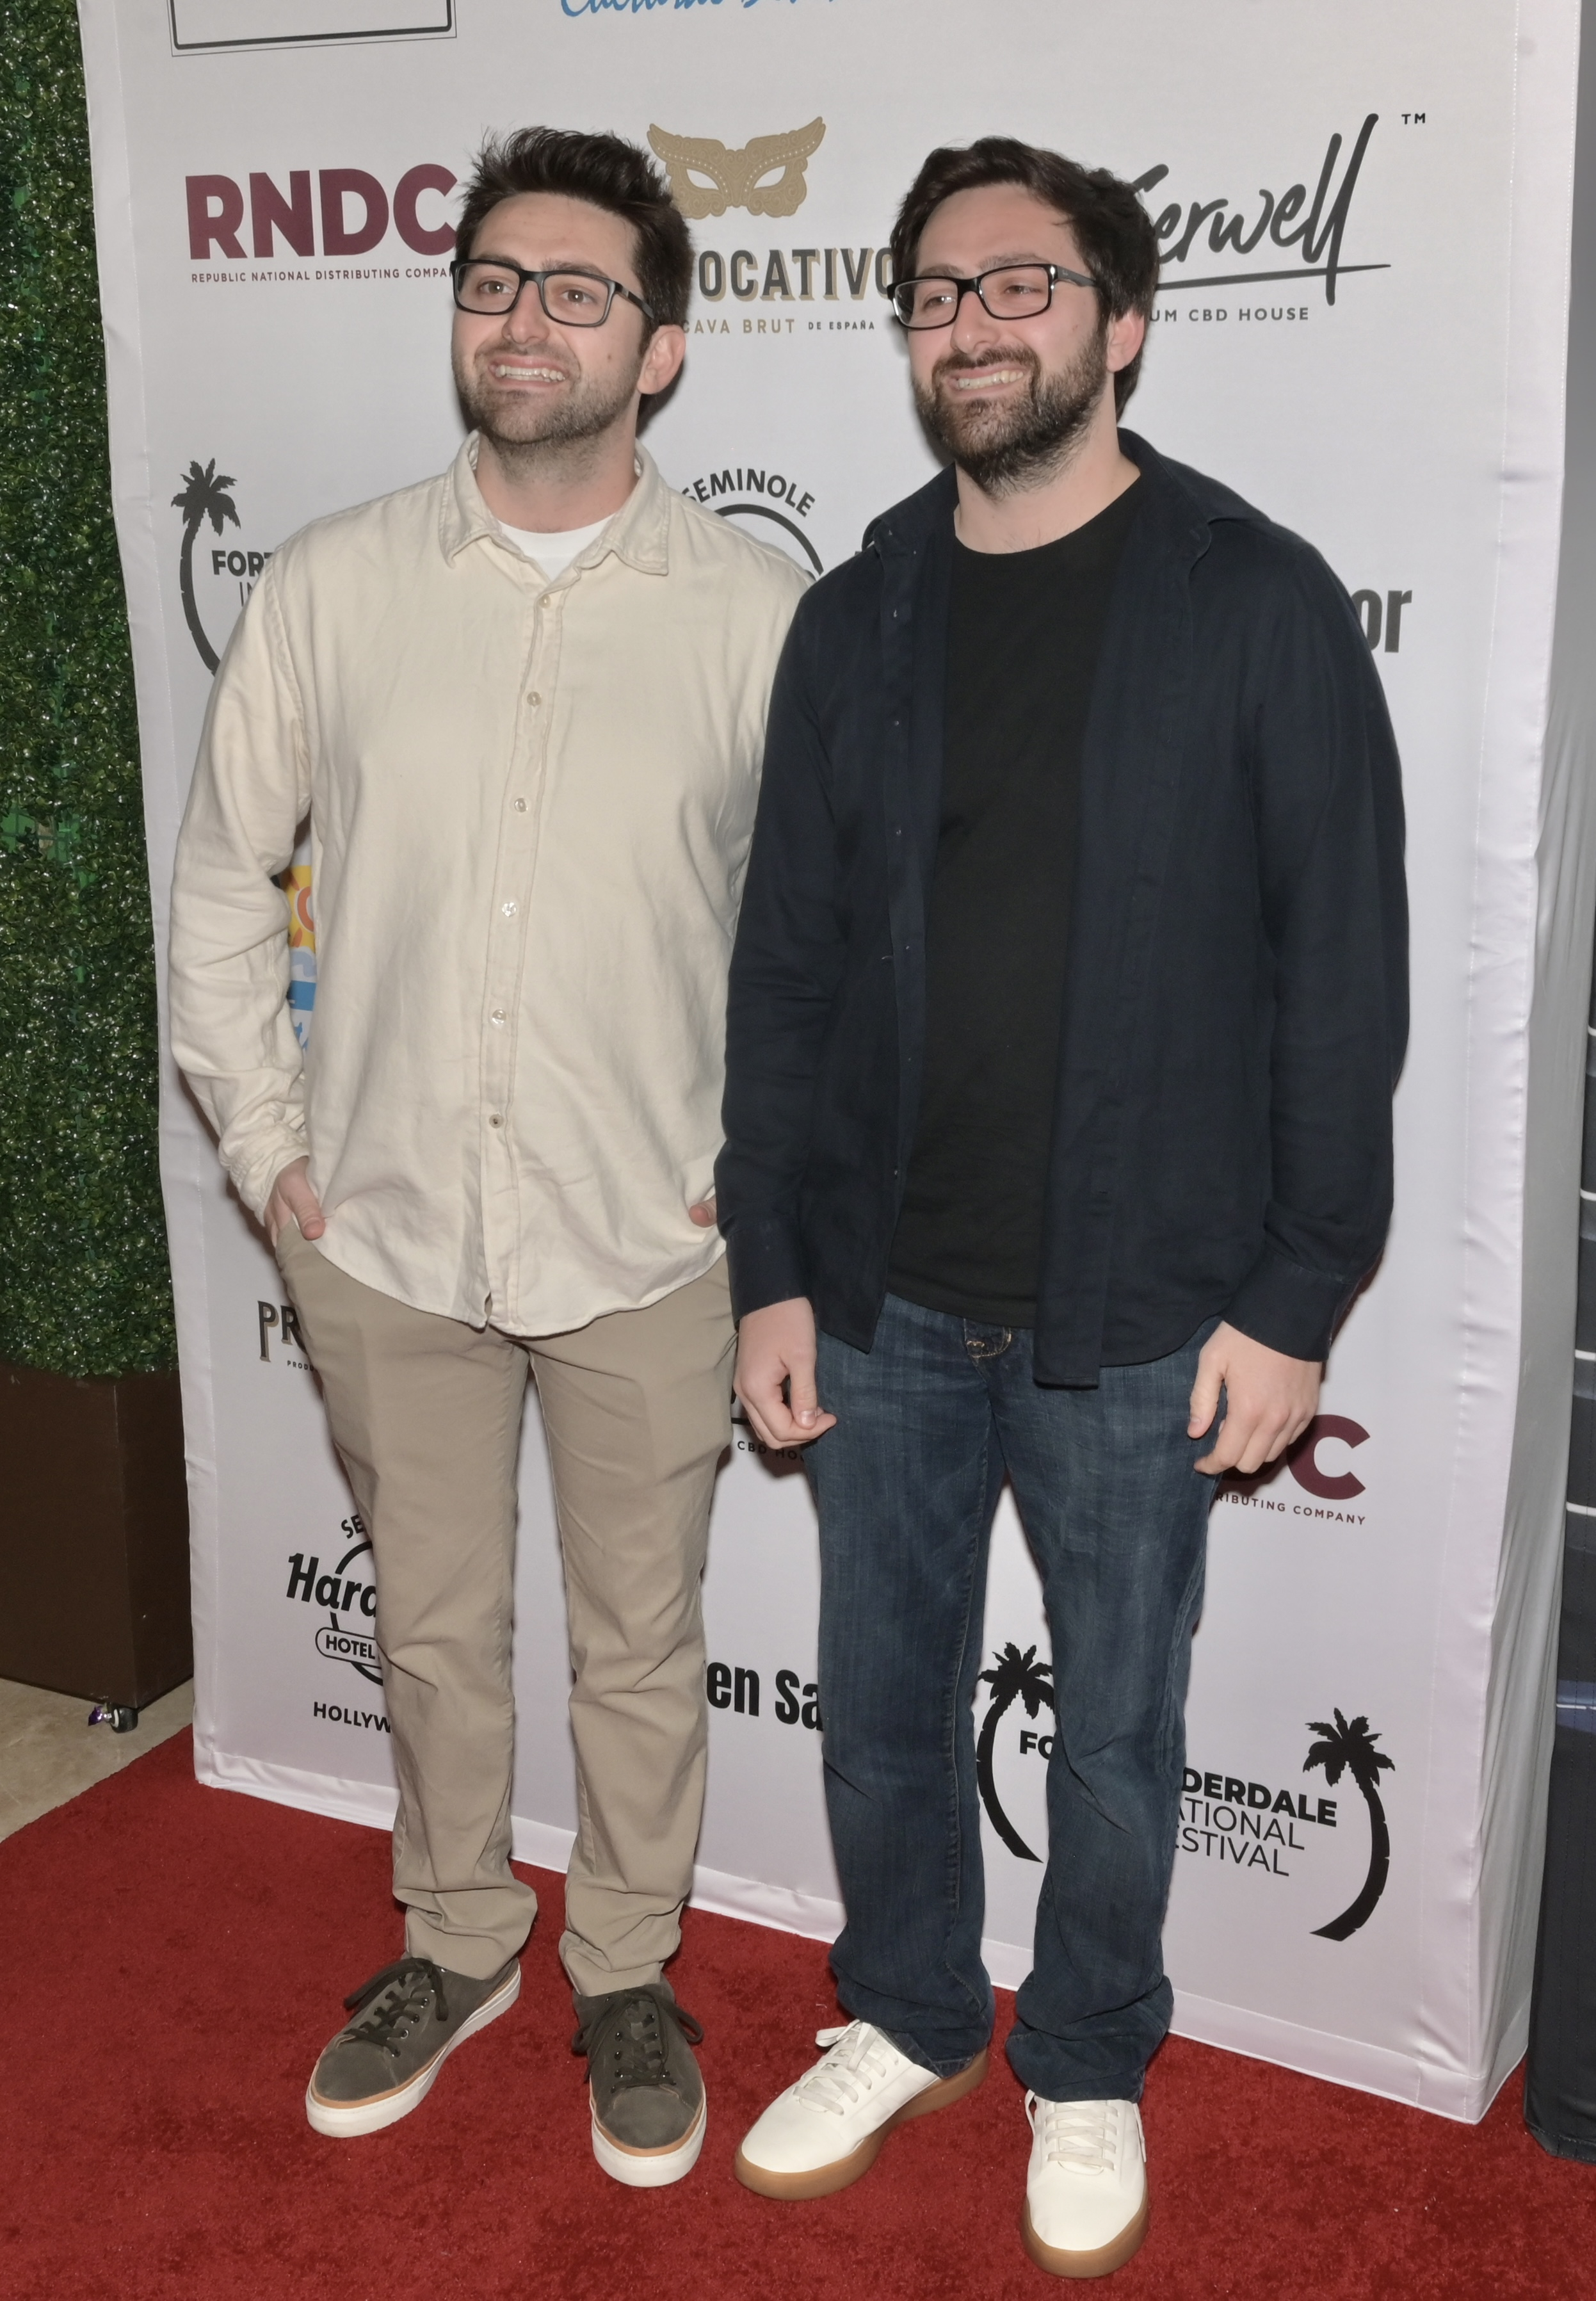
<point x="176" y="1958"/>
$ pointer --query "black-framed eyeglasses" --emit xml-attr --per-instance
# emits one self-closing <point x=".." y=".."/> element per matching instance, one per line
<point x="490" y="286"/>
<point x="1011" y="292"/>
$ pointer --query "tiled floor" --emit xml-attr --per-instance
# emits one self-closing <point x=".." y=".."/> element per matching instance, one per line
<point x="49" y="1752"/>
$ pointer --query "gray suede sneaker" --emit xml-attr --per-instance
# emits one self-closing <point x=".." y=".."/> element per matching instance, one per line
<point x="644" y="2085"/>
<point x="408" y="2020"/>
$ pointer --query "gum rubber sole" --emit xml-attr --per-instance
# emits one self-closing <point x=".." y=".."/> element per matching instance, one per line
<point x="1101" y="2262"/>
<point x="824" y="2181"/>
<point x="649" y="2168"/>
<point x="344" y="2121"/>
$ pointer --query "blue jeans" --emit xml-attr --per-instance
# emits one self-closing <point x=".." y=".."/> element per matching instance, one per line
<point x="928" y="1422"/>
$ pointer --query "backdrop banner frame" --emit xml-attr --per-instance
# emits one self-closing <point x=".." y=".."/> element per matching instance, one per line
<point x="1363" y="326"/>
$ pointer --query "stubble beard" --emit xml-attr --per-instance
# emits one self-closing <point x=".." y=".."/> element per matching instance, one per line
<point x="1006" y="449"/>
<point x="529" y="433"/>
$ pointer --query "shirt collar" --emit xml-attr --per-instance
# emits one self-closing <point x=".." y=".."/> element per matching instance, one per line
<point x="637" y="533"/>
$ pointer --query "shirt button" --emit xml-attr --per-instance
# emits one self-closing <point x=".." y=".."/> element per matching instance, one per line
<point x="494" y="1119"/>
<point x="520" y="806"/>
<point x="533" y="696"/>
<point x="511" y="909"/>
<point x="497" y="1015"/>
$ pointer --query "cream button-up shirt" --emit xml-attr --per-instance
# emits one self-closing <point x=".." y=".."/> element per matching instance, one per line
<point x="530" y="808"/>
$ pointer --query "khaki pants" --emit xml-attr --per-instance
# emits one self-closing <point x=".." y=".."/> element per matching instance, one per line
<point x="426" y="1414"/>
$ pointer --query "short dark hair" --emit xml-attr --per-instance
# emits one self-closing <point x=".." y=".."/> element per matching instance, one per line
<point x="610" y="173"/>
<point x="1114" y="230"/>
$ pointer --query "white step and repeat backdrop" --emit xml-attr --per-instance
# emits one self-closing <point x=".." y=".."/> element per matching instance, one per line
<point x="1365" y="213"/>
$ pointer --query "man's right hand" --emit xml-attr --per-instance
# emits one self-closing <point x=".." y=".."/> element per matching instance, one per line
<point x="293" y="1200"/>
<point x="776" y="1346"/>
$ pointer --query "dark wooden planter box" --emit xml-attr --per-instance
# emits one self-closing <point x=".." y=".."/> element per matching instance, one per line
<point x="94" y="1535"/>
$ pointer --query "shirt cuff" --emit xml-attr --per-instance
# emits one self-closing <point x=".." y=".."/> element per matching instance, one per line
<point x="1289" y="1308"/>
<point x="255" y="1167"/>
<point x="766" y="1260"/>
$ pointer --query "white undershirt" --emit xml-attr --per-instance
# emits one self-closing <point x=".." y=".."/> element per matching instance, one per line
<point x="555" y="553"/>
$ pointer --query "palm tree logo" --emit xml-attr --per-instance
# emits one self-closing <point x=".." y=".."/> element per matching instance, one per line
<point x="1020" y="1674"/>
<point x="1351" y="1749"/>
<point x="204" y="496"/>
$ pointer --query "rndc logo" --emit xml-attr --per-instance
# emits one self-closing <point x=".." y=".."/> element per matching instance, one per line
<point x="351" y="206"/>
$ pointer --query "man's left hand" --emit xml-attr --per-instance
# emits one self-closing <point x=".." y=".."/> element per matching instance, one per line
<point x="1269" y="1401"/>
<point x="703" y="1214"/>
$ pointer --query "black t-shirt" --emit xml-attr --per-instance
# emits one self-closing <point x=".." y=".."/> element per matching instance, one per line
<point x="1024" y="630"/>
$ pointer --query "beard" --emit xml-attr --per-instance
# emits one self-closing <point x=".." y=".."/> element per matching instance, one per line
<point x="1005" y="448"/>
<point x="522" y="427"/>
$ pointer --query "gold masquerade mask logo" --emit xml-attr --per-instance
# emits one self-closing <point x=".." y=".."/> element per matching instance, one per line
<point x="734" y="177"/>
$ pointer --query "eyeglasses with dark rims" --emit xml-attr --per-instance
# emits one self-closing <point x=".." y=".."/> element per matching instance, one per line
<point x="1011" y="292"/>
<point x="490" y="286"/>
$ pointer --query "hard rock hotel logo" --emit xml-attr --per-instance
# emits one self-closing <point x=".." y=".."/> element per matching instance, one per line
<point x="341" y="1599"/>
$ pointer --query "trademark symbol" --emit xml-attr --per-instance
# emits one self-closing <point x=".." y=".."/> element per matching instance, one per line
<point x="1413" y="120"/>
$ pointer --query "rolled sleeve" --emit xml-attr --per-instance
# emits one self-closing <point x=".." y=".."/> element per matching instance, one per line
<point x="232" y="1035"/>
<point x="1328" y="808"/>
<point x="785" y="968"/>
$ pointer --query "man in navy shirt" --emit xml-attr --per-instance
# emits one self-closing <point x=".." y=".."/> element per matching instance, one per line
<point x="1068" y="1001"/>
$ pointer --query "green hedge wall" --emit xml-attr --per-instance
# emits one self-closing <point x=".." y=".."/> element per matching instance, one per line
<point x="84" y="1284"/>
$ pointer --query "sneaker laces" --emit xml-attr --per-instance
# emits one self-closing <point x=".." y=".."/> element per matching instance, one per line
<point x="632" y="2037"/>
<point x="1080" y="2135"/>
<point x="385" y="2006"/>
<point x="859" y="2058"/>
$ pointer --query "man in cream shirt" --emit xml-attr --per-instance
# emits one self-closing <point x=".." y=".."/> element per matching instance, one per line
<point x="523" y="706"/>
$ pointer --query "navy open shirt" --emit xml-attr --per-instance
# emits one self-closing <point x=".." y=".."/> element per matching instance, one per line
<point x="1235" y="1009"/>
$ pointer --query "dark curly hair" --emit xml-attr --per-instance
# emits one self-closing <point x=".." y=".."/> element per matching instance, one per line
<point x="609" y="173"/>
<point x="1115" y="231"/>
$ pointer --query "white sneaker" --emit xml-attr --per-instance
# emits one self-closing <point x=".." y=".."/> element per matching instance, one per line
<point x="827" y="2129"/>
<point x="1086" y="2186"/>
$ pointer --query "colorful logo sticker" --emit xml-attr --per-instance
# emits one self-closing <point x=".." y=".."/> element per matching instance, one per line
<point x="295" y="883"/>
